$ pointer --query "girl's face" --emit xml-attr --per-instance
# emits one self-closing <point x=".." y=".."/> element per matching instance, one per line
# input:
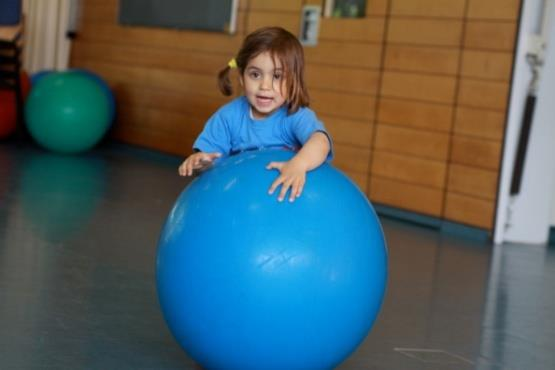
<point x="264" y="85"/>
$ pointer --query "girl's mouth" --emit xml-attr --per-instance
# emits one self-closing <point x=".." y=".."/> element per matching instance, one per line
<point x="264" y="99"/>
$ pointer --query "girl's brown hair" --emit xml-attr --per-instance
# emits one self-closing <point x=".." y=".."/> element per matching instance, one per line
<point x="283" y="45"/>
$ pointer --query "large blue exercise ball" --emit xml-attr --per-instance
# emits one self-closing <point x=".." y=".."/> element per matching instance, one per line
<point x="247" y="282"/>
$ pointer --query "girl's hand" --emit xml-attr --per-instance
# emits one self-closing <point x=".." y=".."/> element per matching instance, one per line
<point x="293" y="175"/>
<point x="197" y="161"/>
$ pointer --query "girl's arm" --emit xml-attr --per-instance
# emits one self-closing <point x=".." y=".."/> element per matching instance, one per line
<point x="293" y="172"/>
<point x="314" y="152"/>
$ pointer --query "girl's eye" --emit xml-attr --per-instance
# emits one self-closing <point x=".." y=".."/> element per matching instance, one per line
<point x="255" y="74"/>
<point x="277" y="76"/>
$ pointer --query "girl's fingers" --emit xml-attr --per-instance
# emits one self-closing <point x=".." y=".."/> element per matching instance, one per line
<point x="295" y="186"/>
<point x="300" y="189"/>
<point x="296" y="190"/>
<point x="184" y="169"/>
<point x="284" y="187"/>
<point x="276" y="165"/>
<point x="205" y="159"/>
<point x="213" y="156"/>
<point x="192" y="165"/>
<point x="275" y="184"/>
<point x="293" y="193"/>
<point x="197" y="161"/>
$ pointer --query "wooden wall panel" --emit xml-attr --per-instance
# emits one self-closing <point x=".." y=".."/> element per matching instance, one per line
<point x="494" y="9"/>
<point x="417" y="198"/>
<point x="377" y="7"/>
<point x="156" y="79"/>
<point x="420" y="115"/>
<point x="354" y="161"/>
<point x="446" y="74"/>
<point x="481" y="123"/>
<point x="344" y="54"/>
<point x="369" y="29"/>
<point x="360" y="179"/>
<point x="416" y="31"/>
<point x="350" y="80"/>
<point x="100" y="12"/>
<point x="437" y="89"/>
<point x="159" y="120"/>
<point x="414" y="94"/>
<point x="420" y="143"/>
<point x="474" y="152"/>
<point x="428" y="8"/>
<point x="184" y="103"/>
<point x="356" y="133"/>
<point x="122" y="55"/>
<point x="469" y="210"/>
<point x="289" y="21"/>
<point x="418" y="87"/>
<point x="487" y="65"/>
<point x="151" y="139"/>
<point x="487" y="35"/>
<point x="339" y="104"/>
<point x="351" y="158"/>
<point x="472" y="181"/>
<point x="275" y="6"/>
<point x="414" y="112"/>
<point x="408" y="169"/>
<point x="483" y="94"/>
<point x="160" y="38"/>
<point x="431" y="60"/>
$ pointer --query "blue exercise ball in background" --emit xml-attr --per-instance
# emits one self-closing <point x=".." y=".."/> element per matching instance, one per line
<point x="37" y="76"/>
<point x="105" y="87"/>
<point x="67" y="112"/>
<point x="247" y="282"/>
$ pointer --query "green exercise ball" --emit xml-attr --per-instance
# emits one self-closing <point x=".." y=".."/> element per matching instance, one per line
<point x="67" y="112"/>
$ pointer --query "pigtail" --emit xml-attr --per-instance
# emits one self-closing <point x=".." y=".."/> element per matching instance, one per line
<point x="224" y="83"/>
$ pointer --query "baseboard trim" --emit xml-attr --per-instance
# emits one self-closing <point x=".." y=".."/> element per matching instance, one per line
<point x="444" y="226"/>
<point x="412" y="217"/>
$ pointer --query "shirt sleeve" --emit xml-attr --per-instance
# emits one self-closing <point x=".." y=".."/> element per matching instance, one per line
<point x="215" y="137"/>
<point x="306" y="125"/>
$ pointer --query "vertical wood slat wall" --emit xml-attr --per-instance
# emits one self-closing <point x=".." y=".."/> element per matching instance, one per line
<point x="163" y="79"/>
<point x="441" y="112"/>
<point x="414" y="93"/>
<point x="485" y="70"/>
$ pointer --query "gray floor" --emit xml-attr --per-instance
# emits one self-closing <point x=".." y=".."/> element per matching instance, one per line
<point x="77" y="247"/>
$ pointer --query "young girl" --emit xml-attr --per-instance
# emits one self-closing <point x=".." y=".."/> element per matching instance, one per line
<point x="272" y="113"/>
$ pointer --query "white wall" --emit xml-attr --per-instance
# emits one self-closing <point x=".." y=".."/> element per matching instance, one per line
<point x="526" y="218"/>
<point x="553" y="209"/>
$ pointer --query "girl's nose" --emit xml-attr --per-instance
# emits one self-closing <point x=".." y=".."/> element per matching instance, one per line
<point x="267" y="82"/>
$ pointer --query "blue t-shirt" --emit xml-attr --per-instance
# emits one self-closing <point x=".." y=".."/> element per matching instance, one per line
<point x="232" y="130"/>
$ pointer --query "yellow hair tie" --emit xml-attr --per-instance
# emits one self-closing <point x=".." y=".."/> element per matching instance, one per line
<point x="232" y="63"/>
